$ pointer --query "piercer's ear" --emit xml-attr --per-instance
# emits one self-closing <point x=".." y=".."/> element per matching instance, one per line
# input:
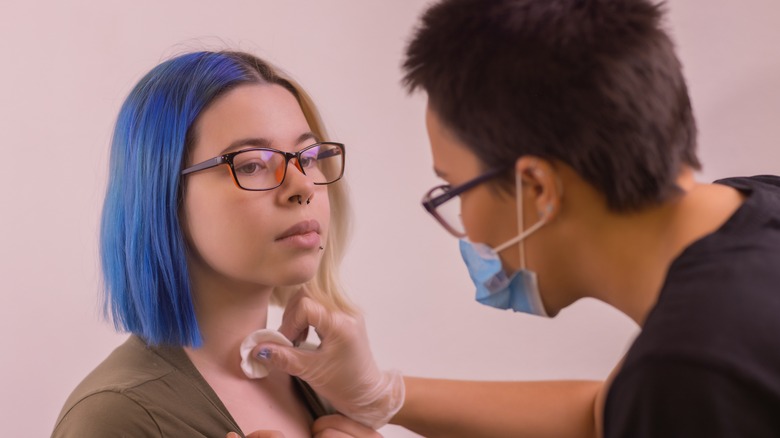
<point x="541" y="184"/>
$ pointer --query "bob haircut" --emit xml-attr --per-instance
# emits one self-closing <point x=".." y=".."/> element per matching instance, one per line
<point x="142" y="246"/>
<point x="594" y="84"/>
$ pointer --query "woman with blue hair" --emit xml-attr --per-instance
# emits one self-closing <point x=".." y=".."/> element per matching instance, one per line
<point x="223" y="197"/>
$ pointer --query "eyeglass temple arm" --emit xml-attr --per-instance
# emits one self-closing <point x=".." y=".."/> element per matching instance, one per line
<point x="330" y="153"/>
<point x="431" y="204"/>
<point x="216" y="161"/>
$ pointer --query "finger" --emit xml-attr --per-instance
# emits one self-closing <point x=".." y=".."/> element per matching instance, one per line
<point x="294" y="301"/>
<point x="342" y="424"/>
<point x="303" y="291"/>
<point x="294" y="334"/>
<point x="332" y="433"/>
<point x="291" y="360"/>
<point x="301" y="338"/>
<point x="303" y="313"/>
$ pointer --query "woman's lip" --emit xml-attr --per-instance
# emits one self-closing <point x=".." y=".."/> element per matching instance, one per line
<point x="301" y="228"/>
<point x="310" y="240"/>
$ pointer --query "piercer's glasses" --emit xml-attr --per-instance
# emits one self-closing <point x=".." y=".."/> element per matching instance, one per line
<point x="260" y="169"/>
<point x="443" y="202"/>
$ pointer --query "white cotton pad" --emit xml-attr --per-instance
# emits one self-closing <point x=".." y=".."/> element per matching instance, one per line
<point x="251" y="366"/>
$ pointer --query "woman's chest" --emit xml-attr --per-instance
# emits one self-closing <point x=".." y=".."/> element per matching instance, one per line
<point x="268" y="404"/>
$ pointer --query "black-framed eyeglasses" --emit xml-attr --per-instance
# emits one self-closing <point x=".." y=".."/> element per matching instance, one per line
<point x="259" y="169"/>
<point x="448" y="213"/>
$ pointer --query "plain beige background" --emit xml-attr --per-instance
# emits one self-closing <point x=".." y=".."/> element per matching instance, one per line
<point x="68" y="65"/>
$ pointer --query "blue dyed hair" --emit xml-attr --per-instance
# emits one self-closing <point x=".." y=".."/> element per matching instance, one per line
<point x="142" y="246"/>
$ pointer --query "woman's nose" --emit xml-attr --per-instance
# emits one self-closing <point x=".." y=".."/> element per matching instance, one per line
<point x="297" y="187"/>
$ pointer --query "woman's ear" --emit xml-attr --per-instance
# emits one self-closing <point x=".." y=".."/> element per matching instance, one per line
<point x="542" y="189"/>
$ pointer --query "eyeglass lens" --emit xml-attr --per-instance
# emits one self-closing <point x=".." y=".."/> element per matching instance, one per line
<point x="449" y="212"/>
<point x="264" y="169"/>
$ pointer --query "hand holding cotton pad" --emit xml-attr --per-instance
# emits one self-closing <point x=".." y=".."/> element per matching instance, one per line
<point x="253" y="368"/>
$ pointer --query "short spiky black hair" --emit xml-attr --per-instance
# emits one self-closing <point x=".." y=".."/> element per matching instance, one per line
<point x="592" y="83"/>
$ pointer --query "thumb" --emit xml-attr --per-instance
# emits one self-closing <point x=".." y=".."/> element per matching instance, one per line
<point x="291" y="360"/>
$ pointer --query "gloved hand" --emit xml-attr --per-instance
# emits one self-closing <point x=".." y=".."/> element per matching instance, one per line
<point x="342" y="369"/>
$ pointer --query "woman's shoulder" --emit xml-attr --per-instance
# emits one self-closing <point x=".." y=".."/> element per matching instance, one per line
<point x="144" y="391"/>
<point x="131" y="364"/>
<point x="118" y="384"/>
<point x="105" y="413"/>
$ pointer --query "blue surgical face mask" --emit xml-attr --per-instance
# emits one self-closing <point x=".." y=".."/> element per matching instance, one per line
<point x="520" y="291"/>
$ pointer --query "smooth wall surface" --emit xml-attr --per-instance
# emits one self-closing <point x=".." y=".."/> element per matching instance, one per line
<point x="68" y="65"/>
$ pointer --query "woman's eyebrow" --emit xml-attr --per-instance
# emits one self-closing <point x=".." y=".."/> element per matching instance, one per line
<point x="255" y="142"/>
<point x="308" y="136"/>
<point x="260" y="142"/>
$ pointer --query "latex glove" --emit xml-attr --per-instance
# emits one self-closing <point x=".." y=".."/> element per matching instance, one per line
<point x="342" y="369"/>
<point x="339" y="426"/>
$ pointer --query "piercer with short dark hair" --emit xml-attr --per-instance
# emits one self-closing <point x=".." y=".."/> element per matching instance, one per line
<point x="564" y="133"/>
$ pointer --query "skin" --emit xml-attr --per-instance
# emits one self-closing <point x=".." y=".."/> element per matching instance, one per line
<point x="329" y="426"/>
<point x="338" y="426"/>
<point x="584" y="250"/>
<point x="234" y="258"/>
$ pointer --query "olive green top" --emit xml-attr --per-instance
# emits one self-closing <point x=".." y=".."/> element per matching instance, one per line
<point x="144" y="391"/>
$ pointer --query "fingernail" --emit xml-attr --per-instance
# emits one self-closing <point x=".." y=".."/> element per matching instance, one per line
<point x="264" y="354"/>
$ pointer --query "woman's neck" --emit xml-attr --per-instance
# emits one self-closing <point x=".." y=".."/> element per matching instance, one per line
<point x="226" y="314"/>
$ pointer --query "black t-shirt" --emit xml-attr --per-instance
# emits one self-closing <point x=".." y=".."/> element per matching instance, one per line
<point x="707" y="362"/>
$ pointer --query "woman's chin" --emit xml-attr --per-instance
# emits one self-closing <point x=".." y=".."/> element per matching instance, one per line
<point x="295" y="277"/>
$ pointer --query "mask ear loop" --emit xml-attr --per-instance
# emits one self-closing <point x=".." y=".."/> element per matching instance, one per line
<point x="523" y="233"/>
<point x="519" y="188"/>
